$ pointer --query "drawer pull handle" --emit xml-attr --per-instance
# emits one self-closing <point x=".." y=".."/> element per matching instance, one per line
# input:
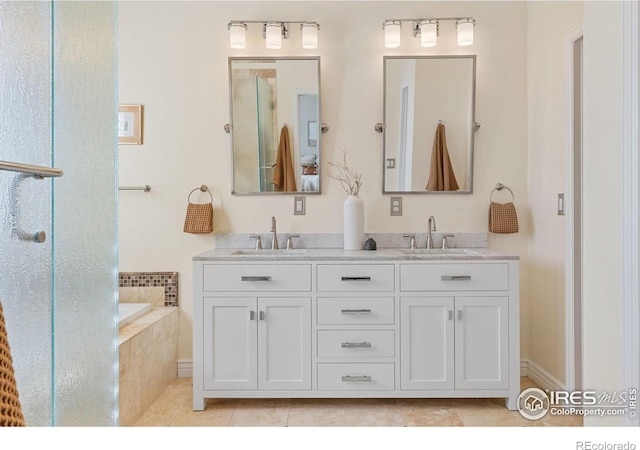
<point x="356" y="278"/>
<point x="245" y="278"/>
<point x="350" y="378"/>
<point x="356" y="345"/>
<point x="252" y="315"/>
<point x="261" y="315"/>
<point x="356" y="311"/>
<point x="456" y="277"/>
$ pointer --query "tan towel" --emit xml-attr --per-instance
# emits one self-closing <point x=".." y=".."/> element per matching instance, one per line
<point x="199" y="219"/>
<point x="10" y="408"/>
<point x="441" y="176"/>
<point x="503" y="218"/>
<point x="284" y="176"/>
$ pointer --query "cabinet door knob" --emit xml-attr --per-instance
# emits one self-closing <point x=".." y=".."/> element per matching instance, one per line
<point x="459" y="314"/>
<point x="450" y="315"/>
<point x="261" y="315"/>
<point x="252" y="315"/>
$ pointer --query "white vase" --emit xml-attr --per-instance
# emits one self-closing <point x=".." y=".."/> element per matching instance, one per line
<point x="353" y="223"/>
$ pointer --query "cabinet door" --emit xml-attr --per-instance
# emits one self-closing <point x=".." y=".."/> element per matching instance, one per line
<point x="482" y="343"/>
<point x="426" y="343"/>
<point x="284" y="343"/>
<point x="230" y="333"/>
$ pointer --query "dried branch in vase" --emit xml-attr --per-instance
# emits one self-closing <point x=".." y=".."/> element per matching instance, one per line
<point x="349" y="180"/>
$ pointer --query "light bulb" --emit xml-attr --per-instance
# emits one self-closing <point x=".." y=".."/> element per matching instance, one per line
<point x="310" y="35"/>
<point x="428" y="33"/>
<point x="273" y="35"/>
<point x="237" y="35"/>
<point x="465" y="32"/>
<point x="392" y="33"/>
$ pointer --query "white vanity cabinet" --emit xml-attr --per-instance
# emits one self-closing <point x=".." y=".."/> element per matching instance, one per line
<point x="358" y="324"/>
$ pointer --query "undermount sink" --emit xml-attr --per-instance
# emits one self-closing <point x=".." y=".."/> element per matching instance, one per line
<point x="438" y="251"/>
<point x="269" y="252"/>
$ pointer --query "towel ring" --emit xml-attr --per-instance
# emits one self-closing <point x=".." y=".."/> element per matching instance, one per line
<point x="202" y="188"/>
<point x="500" y="187"/>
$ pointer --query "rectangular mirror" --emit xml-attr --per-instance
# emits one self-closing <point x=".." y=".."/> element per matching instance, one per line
<point x="275" y="124"/>
<point x="429" y="122"/>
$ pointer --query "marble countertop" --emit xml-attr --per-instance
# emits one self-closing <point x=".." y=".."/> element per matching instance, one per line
<point x="336" y="254"/>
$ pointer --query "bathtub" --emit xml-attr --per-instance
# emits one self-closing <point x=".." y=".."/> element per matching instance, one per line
<point x="130" y="311"/>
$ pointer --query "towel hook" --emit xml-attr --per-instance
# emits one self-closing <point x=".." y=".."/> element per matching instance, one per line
<point x="202" y="188"/>
<point x="500" y="187"/>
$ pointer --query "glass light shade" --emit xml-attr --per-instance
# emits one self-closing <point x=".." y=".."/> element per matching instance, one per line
<point x="273" y="35"/>
<point x="237" y="35"/>
<point x="428" y="33"/>
<point x="392" y="33"/>
<point x="465" y="32"/>
<point x="309" y="35"/>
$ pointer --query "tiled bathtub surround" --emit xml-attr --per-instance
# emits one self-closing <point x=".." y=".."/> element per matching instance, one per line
<point x="148" y="353"/>
<point x="335" y="240"/>
<point x="144" y="282"/>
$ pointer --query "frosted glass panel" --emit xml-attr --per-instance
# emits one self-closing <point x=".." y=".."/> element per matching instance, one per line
<point x="84" y="208"/>
<point x="58" y="109"/>
<point x="25" y="267"/>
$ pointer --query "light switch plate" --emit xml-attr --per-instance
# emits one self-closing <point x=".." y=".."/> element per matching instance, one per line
<point x="396" y="206"/>
<point x="299" y="207"/>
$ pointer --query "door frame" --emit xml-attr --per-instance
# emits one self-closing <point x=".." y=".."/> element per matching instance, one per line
<point x="570" y="363"/>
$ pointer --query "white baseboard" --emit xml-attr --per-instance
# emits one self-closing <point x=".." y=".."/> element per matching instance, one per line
<point x="540" y="376"/>
<point x="185" y="368"/>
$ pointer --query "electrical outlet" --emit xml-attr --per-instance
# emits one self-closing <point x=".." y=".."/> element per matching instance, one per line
<point x="396" y="206"/>
<point x="299" y="206"/>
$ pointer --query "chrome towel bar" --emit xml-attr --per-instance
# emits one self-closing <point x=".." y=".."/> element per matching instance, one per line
<point x="145" y="188"/>
<point x="38" y="171"/>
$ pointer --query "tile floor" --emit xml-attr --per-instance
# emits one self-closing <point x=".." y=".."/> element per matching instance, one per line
<point x="173" y="409"/>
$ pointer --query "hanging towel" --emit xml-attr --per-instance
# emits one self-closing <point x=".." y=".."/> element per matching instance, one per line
<point x="10" y="408"/>
<point x="283" y="174"/>
<point x="441" y="176"/>
<point x="199" y="218"/>
<point x="503" y="218"/>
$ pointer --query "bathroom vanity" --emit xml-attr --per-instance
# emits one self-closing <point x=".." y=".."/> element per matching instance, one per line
<point x="334" y="323"/>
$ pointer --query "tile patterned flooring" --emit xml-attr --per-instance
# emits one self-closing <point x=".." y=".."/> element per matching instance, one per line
<point x="173" y="409"/>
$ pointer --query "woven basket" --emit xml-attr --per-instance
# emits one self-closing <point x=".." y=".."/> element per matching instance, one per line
<point x="10" y="409"/>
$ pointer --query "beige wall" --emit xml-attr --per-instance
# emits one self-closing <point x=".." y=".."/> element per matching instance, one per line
<point x="173" y="59"/>
<point x="549" y="24"/>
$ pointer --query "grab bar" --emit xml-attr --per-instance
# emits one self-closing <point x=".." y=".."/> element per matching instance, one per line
<point x="145" y="188"/>
<point x="38" y="171"/>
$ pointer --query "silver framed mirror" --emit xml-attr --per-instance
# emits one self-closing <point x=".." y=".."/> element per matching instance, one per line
<point x="429" y="124"/>
<point x="275" y="125"/>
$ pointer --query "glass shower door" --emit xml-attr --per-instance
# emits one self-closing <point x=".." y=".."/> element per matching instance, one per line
<point x="58" y="287"/>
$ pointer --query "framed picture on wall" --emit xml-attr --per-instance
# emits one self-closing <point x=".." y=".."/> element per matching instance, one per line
<point x="130" y="124"/>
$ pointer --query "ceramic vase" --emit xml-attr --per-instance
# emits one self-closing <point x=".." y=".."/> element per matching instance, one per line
<point x="353" y="223"/>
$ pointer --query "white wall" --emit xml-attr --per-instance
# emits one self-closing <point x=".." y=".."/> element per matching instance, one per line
<point x="603" y="220"/>
<point x="549" y="24"/>
<point x="173" y="59"/>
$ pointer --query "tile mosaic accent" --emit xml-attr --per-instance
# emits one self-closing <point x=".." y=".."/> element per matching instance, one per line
<point x="168" y="280"/>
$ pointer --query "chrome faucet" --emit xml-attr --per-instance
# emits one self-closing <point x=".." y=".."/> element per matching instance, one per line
<point x="274" y="240"/>
<point x="431" y="227"/>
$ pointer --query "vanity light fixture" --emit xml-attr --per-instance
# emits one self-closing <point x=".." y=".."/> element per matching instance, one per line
<point x="273" y="32"/>
<point x="427" y="30"/>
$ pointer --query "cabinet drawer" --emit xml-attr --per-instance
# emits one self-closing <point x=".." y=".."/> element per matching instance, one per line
<point x="356" y="344"/>
<point x="454" y="277"/>
<point x="356" y="278"/>
<point x="257" y="278"/>
<point x="356" y="311"/>
<point x="356" y="377"/>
